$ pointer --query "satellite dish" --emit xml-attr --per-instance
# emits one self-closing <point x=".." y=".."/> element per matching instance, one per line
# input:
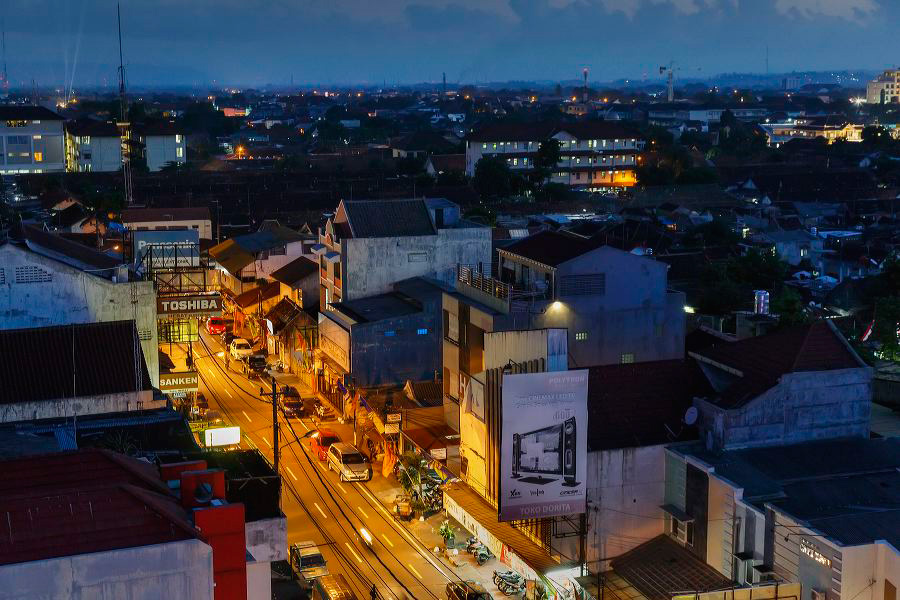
<point x="690" y="415"/>
<point x="203" y="493"/>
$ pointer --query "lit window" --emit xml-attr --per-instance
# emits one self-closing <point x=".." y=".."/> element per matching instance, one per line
<point x="86" y="139"/>
<point x="177" y="138"/>
<point x="627" y="358"/>
<point x="484" y="146"/>
<point x="581" y="336"/>
<point x="422" y="331"/>
<point x="390" y="333"/>
<point x="38" y="157"/>
<point x="179" y="152"/>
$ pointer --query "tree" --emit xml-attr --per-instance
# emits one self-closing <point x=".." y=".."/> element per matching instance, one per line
<point x="887" y="322"/>
<point x="545" y="161"/>
<point x="715" y="233"/>
<point x="758" y="270"/>
<point x="789" y="307"/>
<point x="493" y="179"/>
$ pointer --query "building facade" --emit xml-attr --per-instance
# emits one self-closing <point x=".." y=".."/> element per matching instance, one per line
<point x="594" y="155"/>
<point x="884" y="89"/>
<point x="151" y="219"/>
<point x="32" y="140"/>
<point x="163" y="144"/>
<point x="93" y="146"/>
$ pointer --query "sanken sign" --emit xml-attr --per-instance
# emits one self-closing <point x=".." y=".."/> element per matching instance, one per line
<point x="206" y="305"/>
<point x="186" y="381"/>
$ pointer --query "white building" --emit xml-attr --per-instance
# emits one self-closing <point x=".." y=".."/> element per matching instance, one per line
<point x="47" y="280"/>
<point x="884" y="89"/>
<point x="154" y="219"/>
<point x="93" y="146"/>
<point x="32" y="140"/>
<point x="164" y="144"/>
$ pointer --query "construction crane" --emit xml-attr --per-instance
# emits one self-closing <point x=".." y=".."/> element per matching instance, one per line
<point x="124" y="125"/>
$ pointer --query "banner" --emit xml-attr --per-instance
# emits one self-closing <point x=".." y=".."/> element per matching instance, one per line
<point x="543" y="450"/>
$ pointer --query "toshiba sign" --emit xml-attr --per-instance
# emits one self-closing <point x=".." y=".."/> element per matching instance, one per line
<point x="194" y="305"/>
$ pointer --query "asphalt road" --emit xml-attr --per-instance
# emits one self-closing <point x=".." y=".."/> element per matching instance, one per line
<point x="318" y="506"/>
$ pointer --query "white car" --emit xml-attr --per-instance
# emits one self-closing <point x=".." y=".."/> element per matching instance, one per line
<point x="349" y="462"/>
<point x="239" y="348"/>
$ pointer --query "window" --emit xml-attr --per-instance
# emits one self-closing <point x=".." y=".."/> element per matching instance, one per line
<point x="38" y="157"/>
<point x="416" y="257"/>
<point x="422" y="331"/>
<point x="177" y="138"/>
<point x="17" y="123"/>
<point x="20" y="140"/>
<point x="627" y="358"/>
<point x="689" y="526"/>
<point x="390" y="333"/>
<point x="278" y="251"/>
<point x="583" y="285"/>
<point x="179" y="152"/>
<point x="484" y="146"/>
<point x="32" y="274"/>
<point x="337" y="270"/>
<point x="581" y="336"/>
<point x="86" y="140"/>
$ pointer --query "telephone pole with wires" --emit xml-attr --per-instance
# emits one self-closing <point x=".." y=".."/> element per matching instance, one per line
<point x="124" y="125"/>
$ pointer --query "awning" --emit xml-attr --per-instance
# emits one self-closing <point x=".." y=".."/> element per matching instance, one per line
<point x="461" y="498"/>
<point x="318" y="249"/>
<point x="677" y="513"/>
<point x="332" y="256"/>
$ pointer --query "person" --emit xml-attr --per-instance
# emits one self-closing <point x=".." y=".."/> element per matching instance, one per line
<point x="374" y="593"/>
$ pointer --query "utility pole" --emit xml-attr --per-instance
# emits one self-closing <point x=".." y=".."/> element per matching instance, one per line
<point x="275" y="423"/>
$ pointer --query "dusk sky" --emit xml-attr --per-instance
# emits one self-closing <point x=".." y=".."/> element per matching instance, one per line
<point x="370" y="41"/>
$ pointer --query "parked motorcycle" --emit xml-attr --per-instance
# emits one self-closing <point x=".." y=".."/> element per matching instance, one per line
<point x="507" y="577"/>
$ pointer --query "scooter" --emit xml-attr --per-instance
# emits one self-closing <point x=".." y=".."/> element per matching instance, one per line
<point x="507" y="577"/>
<point x="482" y="555"/>
<point x="512" y="589"/>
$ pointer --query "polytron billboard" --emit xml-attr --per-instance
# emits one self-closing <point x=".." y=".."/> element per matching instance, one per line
<point x="543" y="449"/>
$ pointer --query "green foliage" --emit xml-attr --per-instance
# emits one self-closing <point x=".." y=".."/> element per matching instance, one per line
<point x="412" y="467"/>
<point x="728" y="287"/>
<point x="789" y="307"/>
<point x="758" y="270"/>
<point x="493" y="178"/>
<point x="447" y="531"/>
<point x="714" y="233"/>
<point x="887" y="320"/>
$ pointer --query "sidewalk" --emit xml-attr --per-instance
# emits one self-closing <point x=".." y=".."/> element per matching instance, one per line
<point x="385" y="489"/>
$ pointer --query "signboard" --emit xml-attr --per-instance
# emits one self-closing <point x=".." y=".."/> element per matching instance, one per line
<point x="392" y="427"/>
<point x="195" y="304"/>
<point x="394" y="417"/>
<point x="334" y="341"/>
<point x="473" y="393"/>
<point x="187" y="381"/>
<point x="543" y="449"/>
<point x="222" y="436"/>
<point x="438" y="453"/>
<point x="166" y="248"/>
<point x="812" y="551"/>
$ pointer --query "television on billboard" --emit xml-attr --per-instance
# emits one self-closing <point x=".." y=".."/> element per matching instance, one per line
<point x="543" y="450"/>
<point x="166" y="249"/>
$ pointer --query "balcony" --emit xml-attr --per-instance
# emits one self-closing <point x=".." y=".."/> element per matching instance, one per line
<point x="500" y="295"/>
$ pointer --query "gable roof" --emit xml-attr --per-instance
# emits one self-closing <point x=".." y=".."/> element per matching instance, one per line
<point x="258" y="294"/>
<point x="642" y="404"/>
<point x="551" y="248"/>
<point x="67" y="251"/>
<point x="231" y="256"/>
<point x="282" y="314"/>
<point x="28" y="113"/>
<point x="68" y="361"/>
<point x="144" y="215"/>
<point x="444" y="163"/>
<point x="583" y="130"/>
<point x="759" y="362"/>
<point x="294" y="271"/>
<point x="388" y="218"/>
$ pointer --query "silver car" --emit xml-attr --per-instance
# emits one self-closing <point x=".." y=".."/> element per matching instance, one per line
<point x="307" y="562"/>
<point x="349" y="462"/>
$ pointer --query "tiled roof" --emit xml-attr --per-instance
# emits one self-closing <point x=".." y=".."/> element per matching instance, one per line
<point x="660" y="567"/>
<point x="67" y="361"/>
<point x="584" y="130"/>
<point x="295" y="270"/>
<point x="762" y="360"/>
<point x="258" y="294"/>
<point x="231" y="256"/>
<point x="82" y="502"/>
<point x="552" y="248"/>
<point x="28" y="113"/>
<point x="642" y="404"/>
<point x="389" y="218"/>
<point x="282" y="314"/>
<point x="67" y="251"/>
<point x="443" y="163"/>
<point x="144" y="215"/>
<point x="427" y="393"/>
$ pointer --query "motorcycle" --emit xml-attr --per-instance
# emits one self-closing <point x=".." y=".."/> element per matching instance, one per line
<point x="507" y="577"/>
<point x="512" y="589"/>
<point x="482" y="555"/>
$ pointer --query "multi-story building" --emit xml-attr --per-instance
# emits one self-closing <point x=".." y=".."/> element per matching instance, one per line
<point x="678" y="112"/>
<point x="164" y="144"/>
<point x="369" y="245"/>
<point x="155" y="219"/>
<point x="884" y="89"/>
<point x="594" y="155"/>
<point x="93" y="146"/>
<point x="32" y="140"/>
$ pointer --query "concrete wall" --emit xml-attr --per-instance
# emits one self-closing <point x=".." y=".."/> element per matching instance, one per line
<point x="73" y="296"/>
<point x="203" y="226"/>
<point x="624" y="493"/>
<point x="266" y="542"/>
<point x="106" y="155"/>
<point x="372" y="265"/>
<point x="259" y="581"/>
<point x="174" y="570"/>
<point x="163" y="149"/>
<point x="379" y="359"/>
<point x="44" y="137"/>
<point x="81" y="406"/>
<point x="801" y="407"/>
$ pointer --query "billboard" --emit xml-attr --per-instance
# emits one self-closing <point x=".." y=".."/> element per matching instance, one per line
<point x="186" y="381"/>
<point x="543" y="448"/>
<point x="334" y="341"/>
<point x="222" y="436"/>
<point x="192" y="304"/>
<point x="166" y="248"/>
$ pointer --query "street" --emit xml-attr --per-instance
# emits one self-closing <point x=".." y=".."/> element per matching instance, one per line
<point x="318" y="506"/>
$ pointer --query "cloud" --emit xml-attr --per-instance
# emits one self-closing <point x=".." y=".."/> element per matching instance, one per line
<point x="854" y="10"/>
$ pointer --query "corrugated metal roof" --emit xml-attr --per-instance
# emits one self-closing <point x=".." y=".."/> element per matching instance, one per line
<point x="389" y="218"/>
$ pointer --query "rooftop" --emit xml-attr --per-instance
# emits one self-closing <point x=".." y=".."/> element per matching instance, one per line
<point x="92" y="128"/>
<point x="68" y="251"/>
<point x="295" y="271"/>
<point x="388" y="218"/>
<point x="145" y="215"/>
<point x="551" y="248"/>
<point x="28" y="113"/>
<point x="378" y="308"/>
<point x="84" y="360"/>
<point x="257" y="295"/>
<point x="583" y="130"/>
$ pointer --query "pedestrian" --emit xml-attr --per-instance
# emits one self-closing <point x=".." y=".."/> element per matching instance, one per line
<point x="374" y="593"/>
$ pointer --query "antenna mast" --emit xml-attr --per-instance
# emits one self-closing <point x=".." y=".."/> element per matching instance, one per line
<point x="124" y="125"/>
<point x="5" y="75"/>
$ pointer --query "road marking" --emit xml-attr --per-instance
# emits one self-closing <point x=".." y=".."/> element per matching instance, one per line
<point x="211" y="373"/>
<point x="357" y="555"/>
<point x="229" y="393"/>
<point x="246" y="416"/>
<point x="291" y="472"/>
<point x="390" y="543"/>
<point x="319" y="508"/>
<point x="413" y="569"/>
<point x="360" y="509"/>
<point x="266" y="441"/>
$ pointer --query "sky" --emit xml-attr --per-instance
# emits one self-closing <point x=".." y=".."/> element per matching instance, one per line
<point x="369" y="42"/>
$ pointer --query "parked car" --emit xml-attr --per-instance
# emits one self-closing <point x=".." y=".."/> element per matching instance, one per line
<point x="321" y="440"/>
<point x="348" y="462"/>
<point x="466" y="590"/>
<point x="293" y="403"/>
<point x="239" y="348"/>
<point x="215" y="326"/>
<point x="307" y="562"/>
<point x="254" y="365"/>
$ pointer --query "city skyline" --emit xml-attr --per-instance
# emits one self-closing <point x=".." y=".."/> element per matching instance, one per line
<point x="415" y="41"/>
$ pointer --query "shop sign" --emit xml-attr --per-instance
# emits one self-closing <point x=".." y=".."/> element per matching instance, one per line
<point x="438" y="453"/>
<point x="392" y="427"/>
<point x="810" y="550"/>
<point x="207" y="304"/>
<point x="187" y="381"/>
<point x="394" y="417"/>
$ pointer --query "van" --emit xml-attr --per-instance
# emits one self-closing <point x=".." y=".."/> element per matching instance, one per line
<point x="332" y="587"/>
